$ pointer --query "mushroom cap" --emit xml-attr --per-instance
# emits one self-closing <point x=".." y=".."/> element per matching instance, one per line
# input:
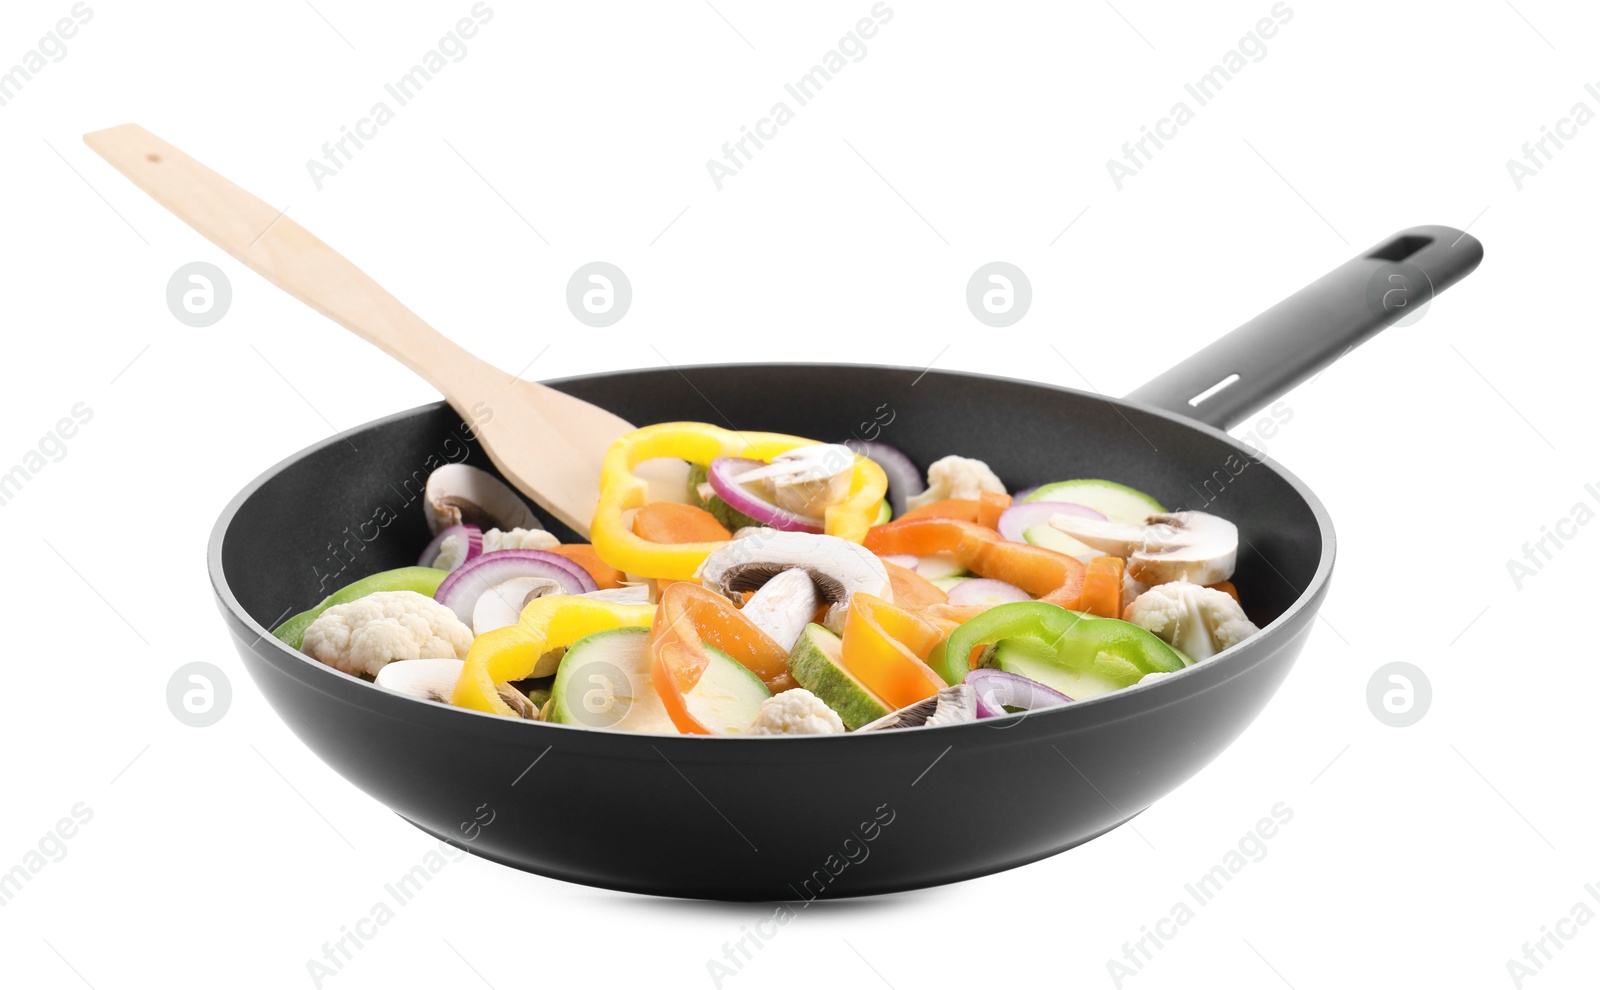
<point x="1174" y="546"/>
<point x="434" y="678"/>
<point x="837" y="567"/>
<point x="461" y="493"/>
<point x="952" y="705"/>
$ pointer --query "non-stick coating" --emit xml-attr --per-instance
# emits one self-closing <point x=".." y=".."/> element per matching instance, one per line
<point x="762" y="818"/>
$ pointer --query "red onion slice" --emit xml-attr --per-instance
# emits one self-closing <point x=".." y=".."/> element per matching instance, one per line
<point x="987" y="591"/>
<point x="466" y="584"/>
<point x="904" y="478"/>
<point x="474" y="538"/>
<point x="1022" y="516"/>
<point x="997" y="690"/>
<point x="721" y="474"/>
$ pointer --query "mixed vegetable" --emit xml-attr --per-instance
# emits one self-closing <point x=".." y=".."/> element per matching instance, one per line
<point x="792" y="588"/>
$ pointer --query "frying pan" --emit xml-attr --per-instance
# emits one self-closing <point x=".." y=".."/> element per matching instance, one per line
<point x="827" y="816"/>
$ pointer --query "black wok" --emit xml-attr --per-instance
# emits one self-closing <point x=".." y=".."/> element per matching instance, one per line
<point x="828" y="816"/>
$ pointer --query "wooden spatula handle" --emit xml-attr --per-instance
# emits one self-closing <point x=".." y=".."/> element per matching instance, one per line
<point x="285" y="253"/>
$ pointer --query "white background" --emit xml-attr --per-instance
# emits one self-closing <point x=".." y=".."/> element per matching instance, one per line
<point x="1425" y="855"/>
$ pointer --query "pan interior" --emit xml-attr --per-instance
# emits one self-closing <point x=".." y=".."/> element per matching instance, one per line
<point x="339" y="511"/>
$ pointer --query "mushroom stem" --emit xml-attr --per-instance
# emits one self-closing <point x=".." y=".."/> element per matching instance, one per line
<point x="783" y="606"/>
<point x="807" y="479"/>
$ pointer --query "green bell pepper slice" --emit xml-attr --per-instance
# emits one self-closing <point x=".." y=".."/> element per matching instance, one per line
<point x="422" y="580"/>
<point x="1059" y="648"/>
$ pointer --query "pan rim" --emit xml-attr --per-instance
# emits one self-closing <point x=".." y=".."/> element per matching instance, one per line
<point x="1274" y="636"/>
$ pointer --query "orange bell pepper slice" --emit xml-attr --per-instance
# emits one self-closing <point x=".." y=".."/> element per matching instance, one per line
<point x="1046" y="574"/>
<point x="688" y="617"/>
<point x="925" y="536"/>
<point x="911" y="589"/>
<point x="886" y="648"/>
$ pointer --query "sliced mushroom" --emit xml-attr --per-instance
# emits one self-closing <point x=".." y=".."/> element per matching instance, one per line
<point x="502" y="604"/>
<point x="435" y="680"/>
<point x="782" y="607"/>
<point x="950" y="706"/>
<point x="461" y="493"/>
<point x="628" y="594"/>
<point x="837" y="568"/>
<point x="806" y="480"/>
<point x="1176" y="546"/>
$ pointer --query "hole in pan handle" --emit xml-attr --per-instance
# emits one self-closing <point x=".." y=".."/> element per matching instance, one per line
<point x="1230" y="379"/>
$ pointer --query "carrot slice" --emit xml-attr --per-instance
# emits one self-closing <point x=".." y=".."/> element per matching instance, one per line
<point x="584" y="556"/>
<point x="953" y="615"/>
<point x="948" y="618"/>
<point x="964" y="509"/>
<point x="912" y="590"/>
<point x="675" y="522"/>
<point x="1101" y="593"/>
<point x="984" y="510"/>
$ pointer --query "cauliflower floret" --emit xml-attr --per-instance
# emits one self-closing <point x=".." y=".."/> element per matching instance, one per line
<point x="453" y="551"/>
<point x="1131" y="588"/>
<point x="360" y="637"/>
<point x="518" y="539"/>
<point x="1198" y="621"/>
<point x="957" y="477"/>
<point x="795" y="712"/>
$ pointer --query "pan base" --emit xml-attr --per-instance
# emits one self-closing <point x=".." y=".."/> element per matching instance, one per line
<point x="734" y="894"/>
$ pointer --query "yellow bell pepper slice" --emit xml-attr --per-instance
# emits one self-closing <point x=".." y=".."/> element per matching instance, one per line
<point x="510" y="653"/>
<point x="702" y="443"/>
<point x="887" y="649"/>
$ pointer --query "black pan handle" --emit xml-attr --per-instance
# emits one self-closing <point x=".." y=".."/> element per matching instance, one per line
<point x="1246" y="370"/>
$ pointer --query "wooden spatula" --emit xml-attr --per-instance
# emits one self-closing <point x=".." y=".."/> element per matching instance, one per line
<point x="548" y="444"/>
